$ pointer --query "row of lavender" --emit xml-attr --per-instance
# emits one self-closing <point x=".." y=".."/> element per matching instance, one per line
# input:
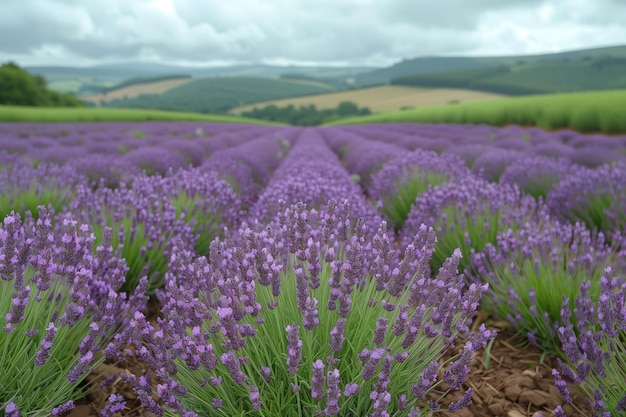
<point x="545" y="233"/>
<point x="368" y="323"/>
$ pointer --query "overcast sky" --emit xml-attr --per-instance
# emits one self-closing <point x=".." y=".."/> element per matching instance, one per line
<point x="327" y="32"/>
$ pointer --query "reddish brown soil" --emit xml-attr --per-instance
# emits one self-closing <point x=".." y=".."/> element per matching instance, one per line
<point x="517" y="382"/>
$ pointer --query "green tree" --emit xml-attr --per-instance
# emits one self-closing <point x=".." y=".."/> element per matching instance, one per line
<point x="19" y="87"/>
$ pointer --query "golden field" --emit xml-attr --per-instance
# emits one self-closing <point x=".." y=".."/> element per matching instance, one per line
<point x="380" y="99"/>
<point x="131" y="91"/>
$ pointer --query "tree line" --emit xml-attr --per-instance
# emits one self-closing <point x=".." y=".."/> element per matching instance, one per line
<point x="306" y="115"/>
<point x="20" y="88"/>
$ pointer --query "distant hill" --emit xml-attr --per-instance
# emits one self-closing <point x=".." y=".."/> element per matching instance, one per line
<point x="531" y="77"/>
<point x="93" y="79"/>
<point x="220" y="94"/>
<point x="429" y="65"/>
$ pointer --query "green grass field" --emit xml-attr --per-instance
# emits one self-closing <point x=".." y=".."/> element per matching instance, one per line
<point x="585" y="112"/>
<point x="64" y="114"/>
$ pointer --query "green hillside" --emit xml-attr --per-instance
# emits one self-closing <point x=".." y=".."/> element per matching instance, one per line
<point x="557" y="76"/>
<point x="427" y="65"/>
<point x="218" y="95"/>
<point x="585" y="112"/>
<point x="82" y="114"/>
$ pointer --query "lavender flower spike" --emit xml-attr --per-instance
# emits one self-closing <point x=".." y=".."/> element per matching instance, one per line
<point x="294" y="348"/>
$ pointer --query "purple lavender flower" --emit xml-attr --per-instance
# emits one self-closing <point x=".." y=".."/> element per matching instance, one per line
<point x="294" y="348"/>
<point x="333" y="393"/>
<point x="255" y="397"/>
<point x="337" y="335"/>
<point x="115" y="403"/>
<point x="318" y="380"/>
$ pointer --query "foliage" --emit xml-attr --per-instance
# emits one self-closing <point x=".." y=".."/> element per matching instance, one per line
<point x="18" y="87"/>
<point x="306" y="115"/>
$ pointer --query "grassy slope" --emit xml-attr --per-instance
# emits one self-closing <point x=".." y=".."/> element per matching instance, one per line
<point x="427" y="65"/>
<point x="586" y="112"/>
<point x="530" y="78"/>
<point x="378" y="99"/>
<point x="218" y="95"/>
<point x="60" y="114"/>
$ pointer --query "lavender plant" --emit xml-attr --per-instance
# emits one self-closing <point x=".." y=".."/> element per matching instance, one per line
<point x="407" y="176"/>
<point x="23" y="188"/>
<point x="311" y="332"/>
<point x="206" y="202"/>
<point x="59" y="310"/>
<point x="595" y="356"/>
<point x="535" y="174"/>
<point x="468" y="215"/>
<point x="593" y="196"/>
<point x="144" y="223"/>
<point x="492" y="162"/>
<point x="530" y="269"/>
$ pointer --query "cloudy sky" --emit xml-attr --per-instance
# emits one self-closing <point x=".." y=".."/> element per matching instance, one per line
<point x="328" y="32"/>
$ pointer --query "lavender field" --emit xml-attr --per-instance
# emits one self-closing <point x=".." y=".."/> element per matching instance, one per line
<point x="207" y="269"/>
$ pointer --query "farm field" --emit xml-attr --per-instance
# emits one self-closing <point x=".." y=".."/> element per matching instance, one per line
<point x="380" y="99"/>
<point x="132" y="91"/>
<point x="198" y="268"/>
<point x="595" y="111"/>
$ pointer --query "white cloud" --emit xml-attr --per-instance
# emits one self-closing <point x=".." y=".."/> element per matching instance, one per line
<point x="354" y="32"/>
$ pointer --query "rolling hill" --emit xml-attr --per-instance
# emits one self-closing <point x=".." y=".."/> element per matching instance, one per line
<point x="378" y="99"/>
<point x="93" y="79"/>
<point x="430" y="65"/>
<point x="220" y="94"/>
<point x="558" y="76"/>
